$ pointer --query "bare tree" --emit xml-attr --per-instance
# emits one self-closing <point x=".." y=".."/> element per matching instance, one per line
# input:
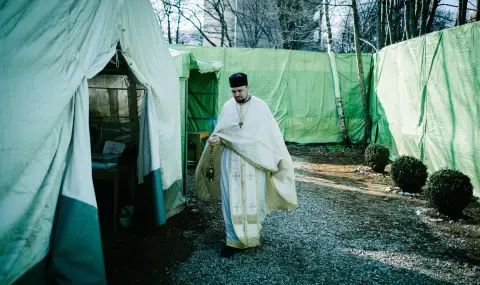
<point x="189" y="11"/>
<point x="477" y="12"/>
<point x="462" y="12"/>
<point x="219" y="14"/>
<point x="381" y="14"/>
<point x="431" y="16"/>
<point x="192" y="37"/>
<point x="168" y="14"/>
<point x="296" y="25"/>
<point x="407" y="11"/>
<point x="179" y="19"/>
<point x="361" y="78"/>
<point x="257" y="22"/>
<point x="424" y="16"/>
<point x="336" y="81"/>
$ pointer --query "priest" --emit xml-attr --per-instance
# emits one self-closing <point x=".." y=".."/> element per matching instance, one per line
<point x="246" y="166"/>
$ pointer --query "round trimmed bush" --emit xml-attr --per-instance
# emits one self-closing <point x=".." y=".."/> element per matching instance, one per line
<point x="409" y="174"/>
<point x="449" y="191"/>
<point x="376" y="157"/>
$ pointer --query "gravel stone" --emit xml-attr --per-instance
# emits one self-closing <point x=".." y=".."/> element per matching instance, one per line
<point x="334" y="237"/>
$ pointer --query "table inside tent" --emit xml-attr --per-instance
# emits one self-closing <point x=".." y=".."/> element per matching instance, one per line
<point x="115" y="106"/>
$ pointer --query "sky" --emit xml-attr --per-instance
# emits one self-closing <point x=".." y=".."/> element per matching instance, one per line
<point x="336" y="14"/>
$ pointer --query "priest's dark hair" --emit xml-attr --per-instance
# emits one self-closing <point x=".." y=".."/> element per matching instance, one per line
<point x="238" y="79"/>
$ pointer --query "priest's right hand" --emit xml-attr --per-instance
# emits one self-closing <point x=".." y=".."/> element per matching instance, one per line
<point x="213" y="139"/>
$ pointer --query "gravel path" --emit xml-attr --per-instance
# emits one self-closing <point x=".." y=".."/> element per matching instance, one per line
<point x="335" y="236"/>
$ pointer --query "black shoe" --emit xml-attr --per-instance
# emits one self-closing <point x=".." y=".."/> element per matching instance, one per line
<point x="228" y="251"/>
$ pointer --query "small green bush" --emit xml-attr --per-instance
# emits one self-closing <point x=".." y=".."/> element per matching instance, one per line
<point x="409" y="174"/>
<point x="449" y="191"/>
<point x="376" y="157"/>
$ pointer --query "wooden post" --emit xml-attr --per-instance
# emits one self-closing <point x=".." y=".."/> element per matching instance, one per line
<point x="133" y="111"/>
<point x="113" y="102"/>
<point x="185" y="146"/>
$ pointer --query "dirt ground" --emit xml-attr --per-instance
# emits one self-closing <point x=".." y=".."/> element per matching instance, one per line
<point x="344" y="166"/>
<point x="151" y="258"/>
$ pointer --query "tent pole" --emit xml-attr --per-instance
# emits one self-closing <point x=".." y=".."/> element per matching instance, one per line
<point x="133" y="110"/>
<point x="185" y="146"/>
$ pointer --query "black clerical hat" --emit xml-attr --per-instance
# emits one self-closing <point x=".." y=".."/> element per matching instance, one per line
<point x="238" y="79"/>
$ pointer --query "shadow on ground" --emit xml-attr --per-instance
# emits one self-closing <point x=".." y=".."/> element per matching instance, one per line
<point x="342" y="233"/>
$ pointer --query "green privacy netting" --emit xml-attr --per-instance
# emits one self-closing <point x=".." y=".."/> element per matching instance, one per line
<point x="425" y="99"/>
<point x="297" y="86"/>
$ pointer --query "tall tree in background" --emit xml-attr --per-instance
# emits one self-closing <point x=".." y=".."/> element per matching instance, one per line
<point x="477" y="15"/>
<point x="296" y="22"/>
<point x="221" y="26"/>
<point x="173" y="16"/>
<point x="179" y="18"/>
<point x="361" y="76"/>
<point x="164" y="10"/>
<point x="381" y="14"/>
<point x="336" y="81"/>
<point x="386" y="22"/>
<point x="290" y="24"/>
<point x="462" y="12"/>
<point x="257" y="22"/>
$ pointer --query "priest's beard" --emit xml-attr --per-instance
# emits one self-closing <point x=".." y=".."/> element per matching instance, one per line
<point x="242" y="100"/>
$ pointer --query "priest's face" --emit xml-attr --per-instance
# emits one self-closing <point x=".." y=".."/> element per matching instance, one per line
<point x="240" y="93"/>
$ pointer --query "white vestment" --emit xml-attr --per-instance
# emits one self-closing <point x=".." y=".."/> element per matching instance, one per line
<point x="253" y="170"/>
<point x="243" y="199"/>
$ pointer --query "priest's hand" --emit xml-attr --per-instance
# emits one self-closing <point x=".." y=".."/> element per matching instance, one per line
<point x="213" y="139"/>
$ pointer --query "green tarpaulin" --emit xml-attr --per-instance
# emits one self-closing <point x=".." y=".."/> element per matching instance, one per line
<point x="202" y="101"/>
<point x="425" y="100"/>
<point x="297" y="86"/>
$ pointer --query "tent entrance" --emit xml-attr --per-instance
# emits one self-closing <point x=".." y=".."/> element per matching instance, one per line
<point x="202" y="108"/>
<point x="115" y="101"/>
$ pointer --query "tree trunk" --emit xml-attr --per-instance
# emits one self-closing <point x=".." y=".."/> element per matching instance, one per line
<point x="418" y="13"/>
<point x="379" y="24"/>
<point x="336" y="81"/>
<point x="411" y="15"/>
<point x="431" y="16"/>
<point x="320" y="28"/>
<point x="462" y="12"/>
<point x="407" y="19"/>
<point x="381" y="14"/>
<point x="361" y="78"/>
<point x="169" y="28"/>
<point x="383" y="19"/>
<point x="391" y="30"/>
<point x="465" y="10"/>
<point x="477" y="16"/>
<point x="177" y="34"/>
<point x="397" y="21"/>
<point x="222" y="35"/>
<point x="423" y="20"/>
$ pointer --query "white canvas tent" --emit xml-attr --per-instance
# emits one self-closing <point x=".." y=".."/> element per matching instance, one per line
<point x="49" y="231"/>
